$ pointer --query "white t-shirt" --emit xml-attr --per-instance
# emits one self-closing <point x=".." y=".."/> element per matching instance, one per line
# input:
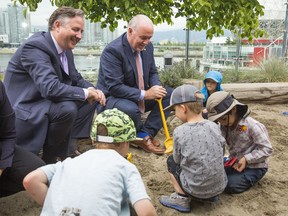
<point x="98" y="182"/>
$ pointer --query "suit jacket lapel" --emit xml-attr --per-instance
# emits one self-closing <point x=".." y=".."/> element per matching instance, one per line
<point x="130" y="55"/>
<point x="55" y="53"/>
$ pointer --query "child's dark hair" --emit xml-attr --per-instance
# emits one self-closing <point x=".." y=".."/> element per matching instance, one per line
<point x="102" y="131"/>
<point x="241" y="112"/>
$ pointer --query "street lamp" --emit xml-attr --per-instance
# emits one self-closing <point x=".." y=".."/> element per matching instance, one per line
<point x="285" y="33"/>
<point x="187" y="42"/>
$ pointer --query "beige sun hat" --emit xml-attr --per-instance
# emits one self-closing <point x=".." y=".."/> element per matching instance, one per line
<point x="221" y="102"/>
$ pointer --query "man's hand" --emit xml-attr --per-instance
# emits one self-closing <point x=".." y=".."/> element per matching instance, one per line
<point x="96" y="95"/>
<point x="1" y="171"/>
<point x="155" y="92"/>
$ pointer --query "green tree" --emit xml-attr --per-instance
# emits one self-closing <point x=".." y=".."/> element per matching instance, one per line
<point x="210" y="15"/>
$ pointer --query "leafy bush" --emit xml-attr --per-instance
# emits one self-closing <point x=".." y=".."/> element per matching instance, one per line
<point x="273" y="70"/>
<point x="170" y="78"/>
<point x="179" y="70"/>
<point x="185" y="71"/>
<point x="247" y="76"/>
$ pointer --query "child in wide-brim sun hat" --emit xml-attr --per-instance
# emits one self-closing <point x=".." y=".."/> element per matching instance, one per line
<point x="247" y="140"/>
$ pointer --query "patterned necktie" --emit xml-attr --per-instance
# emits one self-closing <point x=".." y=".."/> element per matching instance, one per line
<point x="140" y="80"/>
<point x="63" y="59"/>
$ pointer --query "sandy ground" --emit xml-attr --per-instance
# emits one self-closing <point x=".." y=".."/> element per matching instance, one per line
<point x="269" y="197"/>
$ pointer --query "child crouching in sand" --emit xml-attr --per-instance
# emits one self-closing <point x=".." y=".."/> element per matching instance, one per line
<point x="247" y="139"/>
<point x="98" y="182"/>
<point x="196" y="166"/>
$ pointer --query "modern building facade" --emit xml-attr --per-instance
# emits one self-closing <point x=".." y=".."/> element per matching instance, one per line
<point x="4" y="21"/>
<point x="220" y="56"/>
<point x="94" y="35"/>
<point x="217" y="54"/>
<point x="19" y="24"/>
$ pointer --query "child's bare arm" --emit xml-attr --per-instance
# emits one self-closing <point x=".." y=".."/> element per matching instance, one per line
<point x="144" y="208"/>
<point x="35" y="184"/>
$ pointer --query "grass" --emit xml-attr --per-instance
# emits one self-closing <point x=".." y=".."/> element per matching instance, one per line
<point x="273" y="70"/>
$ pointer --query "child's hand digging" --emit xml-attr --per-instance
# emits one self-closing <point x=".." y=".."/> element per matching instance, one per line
<point x="240" y="165"/>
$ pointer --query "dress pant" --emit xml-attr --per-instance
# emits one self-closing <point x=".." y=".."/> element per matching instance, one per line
<point x="67" y="120"/>
<point x="153" y="122"/>
<point x="12" y="177"/>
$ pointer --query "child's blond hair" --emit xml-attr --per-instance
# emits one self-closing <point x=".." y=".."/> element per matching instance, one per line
<point x="196" y="107"/>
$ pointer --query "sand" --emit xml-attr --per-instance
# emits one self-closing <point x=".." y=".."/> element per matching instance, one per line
<point x="267" y="197"/>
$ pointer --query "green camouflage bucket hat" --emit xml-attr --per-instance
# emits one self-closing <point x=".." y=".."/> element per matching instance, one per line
<point x="119" y="125"/>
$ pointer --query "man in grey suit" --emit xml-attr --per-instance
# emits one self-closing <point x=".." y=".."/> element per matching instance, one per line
<point x="120" y="80"/>
<point x="52" y="101"/>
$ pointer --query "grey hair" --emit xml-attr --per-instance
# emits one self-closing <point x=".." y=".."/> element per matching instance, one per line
<point x="62" y="13"/>
<point x="137" y="20"/>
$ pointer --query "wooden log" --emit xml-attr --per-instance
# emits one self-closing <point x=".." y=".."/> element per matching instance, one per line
<point x="264" y="93"/>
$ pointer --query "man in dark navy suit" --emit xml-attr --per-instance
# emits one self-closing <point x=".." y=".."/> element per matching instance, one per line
<point x="120" y="80"/>
<point x="52" y="102"/>
<point x="15" y="162"/>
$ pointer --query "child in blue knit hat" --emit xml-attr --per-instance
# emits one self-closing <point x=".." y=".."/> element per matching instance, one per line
<point x="212" y="83"/>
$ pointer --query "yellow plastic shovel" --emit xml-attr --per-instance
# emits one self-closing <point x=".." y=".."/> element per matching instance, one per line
<point x="169" y="141"/>
<point x="129" y="157"/>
